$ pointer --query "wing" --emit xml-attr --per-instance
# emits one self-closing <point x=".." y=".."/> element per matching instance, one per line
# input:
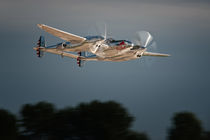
<point x="74" y="39"/>
<point x="155" y="54"/>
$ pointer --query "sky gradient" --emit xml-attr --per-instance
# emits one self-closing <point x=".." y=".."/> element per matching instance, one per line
<point x="152" y="89"/>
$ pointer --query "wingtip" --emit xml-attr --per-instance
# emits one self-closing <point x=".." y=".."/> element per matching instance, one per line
<point x="166" y="55"/>
<point x="40" y="25"/>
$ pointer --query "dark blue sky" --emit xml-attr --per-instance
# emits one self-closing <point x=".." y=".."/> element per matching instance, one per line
<point x="152" y="89"/>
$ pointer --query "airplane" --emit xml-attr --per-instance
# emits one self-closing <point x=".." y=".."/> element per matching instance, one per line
<point x="100" y="48"/>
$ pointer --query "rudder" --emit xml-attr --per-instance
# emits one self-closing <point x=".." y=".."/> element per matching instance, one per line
<point x="40" y="44"/>
<point x="80" y="62"/>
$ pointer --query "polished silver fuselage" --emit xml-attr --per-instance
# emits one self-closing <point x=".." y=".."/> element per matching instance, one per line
<point x="106" y="49"/>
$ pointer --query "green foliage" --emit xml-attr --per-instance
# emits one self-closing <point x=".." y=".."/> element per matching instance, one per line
<point x="107" y="120"/>
<point x="36" y="119"/>
<point x="8" y="129"/>
<point x="107" y="117"/>
<point x="185" y="127"/>
<point x="95" y="120"/>
<point x="132" y="135"/>
<point x="206" y="135"/>
<point x="89" y="121"/>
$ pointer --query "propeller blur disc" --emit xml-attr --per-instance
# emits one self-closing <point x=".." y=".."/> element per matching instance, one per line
<point x="144" y="38"/>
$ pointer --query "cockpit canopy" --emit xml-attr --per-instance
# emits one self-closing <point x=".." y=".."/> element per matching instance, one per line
<point x="113" y="42"/>
<point x="109" y="41"/>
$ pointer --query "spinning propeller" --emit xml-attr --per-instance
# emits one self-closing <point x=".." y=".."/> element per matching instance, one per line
<point x="144" y="40"/>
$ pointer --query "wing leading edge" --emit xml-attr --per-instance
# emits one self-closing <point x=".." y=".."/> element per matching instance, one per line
<point x="74" y="39"/>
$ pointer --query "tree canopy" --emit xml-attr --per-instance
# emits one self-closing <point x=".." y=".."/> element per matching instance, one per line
<point x="8" y="127"/>
<point x="87" y="121"/>
<point x="36" y="119"/>
<point x="185" y="126"/>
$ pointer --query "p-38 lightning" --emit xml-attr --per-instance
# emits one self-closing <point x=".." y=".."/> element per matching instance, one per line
<point x="99" y="48"/>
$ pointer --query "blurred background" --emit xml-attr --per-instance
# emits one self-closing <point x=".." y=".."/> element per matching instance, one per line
<point x="152" y="89"/>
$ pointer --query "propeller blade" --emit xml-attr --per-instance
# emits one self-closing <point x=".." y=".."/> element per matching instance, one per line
<point x="144" y="38"/>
